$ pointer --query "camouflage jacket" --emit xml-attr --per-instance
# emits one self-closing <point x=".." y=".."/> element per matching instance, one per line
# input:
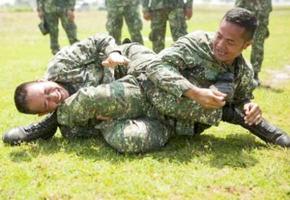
<point x="255" y="5"/>
<point x="191" y="61"/>
<point x="79" y="65"/>
<point x="55" y="5"/>
<point x="120" y="3"/>
<point x="150" y="5"/>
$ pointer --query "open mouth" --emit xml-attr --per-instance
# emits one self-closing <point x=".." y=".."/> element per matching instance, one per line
<point x="220" y="53"/>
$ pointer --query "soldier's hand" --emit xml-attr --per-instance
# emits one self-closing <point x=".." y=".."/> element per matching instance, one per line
<point x="253" y="114"/>
<point x="147" y="15"/>
<point x="115" y="59"/>
<point x="71" y="15"/>
<point x="188" y="13"/>
<point x="210" y="99"/>
<point x="40" y="14"/>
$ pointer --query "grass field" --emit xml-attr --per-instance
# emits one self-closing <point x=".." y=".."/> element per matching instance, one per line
<point x="225" y="162"/>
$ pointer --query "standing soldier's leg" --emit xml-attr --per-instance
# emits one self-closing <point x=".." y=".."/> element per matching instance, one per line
<point x="115" y="22"/>
<point x="158" y="29"/>
<point x="177" y="23"/>
<point x="257" y="54"/>
<point x="136" y="135"/>
<point x="70" y="27"/>
<point x="134" y="22"/>
<point x="52" y="23"/>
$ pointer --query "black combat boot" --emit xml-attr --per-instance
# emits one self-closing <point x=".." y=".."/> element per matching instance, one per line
<point x="44" y="129"/>
<point x="264" y="130"/>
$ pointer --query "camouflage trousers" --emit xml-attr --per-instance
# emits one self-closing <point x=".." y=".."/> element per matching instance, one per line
<point x="126" y="136"/>
<point x="131" y="14"/>
<point x="70" y="28"/>
<point x="177" y="23"/>
<point x="133" y="120"/>
<point x="262" y="32"/>
<point x="186" y="111"/>
<point x="262" y="10"/>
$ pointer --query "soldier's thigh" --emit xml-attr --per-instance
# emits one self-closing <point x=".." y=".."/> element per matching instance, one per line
<point x="177" y="23"/>
<point x="182" y="108"/>
<point x="115" y="17"/>
<point x="136" y="135"/>
<point x="158" y="22"/>
<point x="132" y="17"/>
<point x="52" y="20"/>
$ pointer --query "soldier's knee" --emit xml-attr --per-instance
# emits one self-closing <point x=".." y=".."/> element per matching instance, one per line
<point x="135" y="136"/>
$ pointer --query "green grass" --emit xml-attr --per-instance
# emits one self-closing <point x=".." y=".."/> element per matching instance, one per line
<point x="226" y="162"/>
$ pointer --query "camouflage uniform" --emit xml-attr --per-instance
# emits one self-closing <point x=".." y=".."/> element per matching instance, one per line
<point x="78" y="68"/>
<point x="53" y="11"/>
<point x="161" y="11"/>
<point x="135" y="126"/>
<point x="261" y="9"/>
<point x="191" y="61"/>
<point x="129" y="10"/>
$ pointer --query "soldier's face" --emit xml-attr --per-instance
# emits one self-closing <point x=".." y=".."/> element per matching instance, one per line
<point x="229" y="42"/>
<point x="45" y="96"/>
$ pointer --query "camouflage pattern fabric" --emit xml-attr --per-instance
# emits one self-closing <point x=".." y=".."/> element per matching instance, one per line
<point x="261" y="9"/>
<point x="78" y="68"/>
<point x="117" y="10"/>
<point x="125" y="136"/>
<point x="55" y="10"/>
<point x="183" y="112"/>
<point x="79" y="65"/>
<point x="128" y="130"/>
<point x="137" y="135"/>
<point x="120" y="99"/>
<point x="151" y="5"/>
<point x="191" y="61"/>
<point x="161" y="12"/>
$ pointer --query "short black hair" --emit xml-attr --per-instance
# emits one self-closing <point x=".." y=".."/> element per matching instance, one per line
<point x="243" y="18"/>
<point x="20" y="98"/>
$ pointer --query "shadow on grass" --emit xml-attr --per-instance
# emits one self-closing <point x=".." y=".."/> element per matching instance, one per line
<point x="271" y="88"/>
<point x="235" y="150"/>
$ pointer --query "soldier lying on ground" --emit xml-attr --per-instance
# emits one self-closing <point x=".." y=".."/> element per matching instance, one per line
<point x="74" y="70"/>
<point x="85" y="96"/>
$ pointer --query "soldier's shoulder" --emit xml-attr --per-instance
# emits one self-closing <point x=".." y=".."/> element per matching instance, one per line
<point x="245" y="67"/>
<point x="197" y="37"/>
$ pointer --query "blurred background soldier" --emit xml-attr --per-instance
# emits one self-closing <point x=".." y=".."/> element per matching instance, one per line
<point x="51" y="11"/>
<point x="159" y="11"/>
<point x="129" y="10"/>
<point x="261" y="9"/>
